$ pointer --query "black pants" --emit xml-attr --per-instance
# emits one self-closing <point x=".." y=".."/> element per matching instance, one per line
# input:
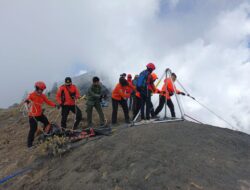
<point x="65" y="112"/>
<point x="137" y="107"/>
<point x="124" y="106"/>
<point x="162" y="100"/>
<point x="146" y="101"/>
<point x="33" y="127"/>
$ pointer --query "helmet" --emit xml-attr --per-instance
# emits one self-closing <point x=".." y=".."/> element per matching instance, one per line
<point x="151" y="66"/>
<point x="154" y="76"/>
<point x="68" y="81"/>
<point x="40" y="85"/>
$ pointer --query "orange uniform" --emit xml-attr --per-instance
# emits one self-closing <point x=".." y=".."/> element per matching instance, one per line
<point x="65" y="93"/>
<point x="36" y="103"/>
<point x="120" y="92"/>
<point x="131" y="87"/>
<point x="169" y="88"/>
<point x="150" y="82"/>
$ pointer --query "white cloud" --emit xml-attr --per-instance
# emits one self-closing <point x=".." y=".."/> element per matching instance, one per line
<point x="206" y="44"/>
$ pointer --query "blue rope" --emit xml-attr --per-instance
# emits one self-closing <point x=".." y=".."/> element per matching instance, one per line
<point x="20" y="172"/>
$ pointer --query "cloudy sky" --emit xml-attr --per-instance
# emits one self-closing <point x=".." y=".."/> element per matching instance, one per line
<point x="205" y="42"/>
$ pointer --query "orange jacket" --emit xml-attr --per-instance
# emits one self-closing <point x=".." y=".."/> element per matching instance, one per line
<point x="150" y="83"/>
<point x="131" y="88"/>
<point x="36" y="103"/>
<point x="65" y="92"/>
<point x="169" y="88"/>
<point x="120" y="92"/>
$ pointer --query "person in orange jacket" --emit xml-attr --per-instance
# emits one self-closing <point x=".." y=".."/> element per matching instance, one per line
<point x="119" y="96"/>
<point x="66" y="96"/>
<point x="168" y="90"/>
<point x="34" y="101"/>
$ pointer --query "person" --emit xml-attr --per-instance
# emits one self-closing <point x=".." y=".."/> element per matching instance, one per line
<point x="134" y="81"/>
<point x="138" y="100"/>
<point x="66" y="96"/>
<point x="131" y="91"/>
<point x="94" y="101"/>
<point x="119" y="96"/>
<point x="134" y="97"/>
<point x="34" y="101"/>
<point x="168" y="89"/>
<point x="145" y="86"/>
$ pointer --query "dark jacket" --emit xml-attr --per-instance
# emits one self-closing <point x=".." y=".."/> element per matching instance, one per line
<point x="94" y="94"/>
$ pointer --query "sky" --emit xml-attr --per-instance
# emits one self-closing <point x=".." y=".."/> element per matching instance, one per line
<point x="206" y="43"/>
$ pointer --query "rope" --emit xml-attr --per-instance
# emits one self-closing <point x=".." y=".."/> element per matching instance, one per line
<point x="207" y="108"/>
<point x="211" y="111"/>
<point x="193" y="119"/>
<point x="20" y="172"/>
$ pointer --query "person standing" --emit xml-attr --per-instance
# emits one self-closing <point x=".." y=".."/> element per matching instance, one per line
<point x="120" y="96"/>
<point x="34" y="101"/>
<point x="93" y="101"/>
<point x="168" y="89"/>
<point x="145" y="86"/>
<point x="139" y="100"/>
<point x="131" y="91"/>
<point x="66" y="96"/>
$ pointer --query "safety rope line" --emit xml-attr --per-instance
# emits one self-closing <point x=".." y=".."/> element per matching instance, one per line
<point x="207" y="108"/>
<point x="193" y="119"/>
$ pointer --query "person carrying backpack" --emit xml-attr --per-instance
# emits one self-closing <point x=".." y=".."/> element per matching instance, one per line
<point x="66" y="96"/>
<point x="94" y="101"/>
<point x="168" y="89"/>
<point x="120" y="96"/>
<point x="138" y="100"/>
<point x="34" y="101"/>
<point x="145" y="86"/>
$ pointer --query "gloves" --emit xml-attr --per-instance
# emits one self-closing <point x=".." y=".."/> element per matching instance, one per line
<point x="182" y="93"/>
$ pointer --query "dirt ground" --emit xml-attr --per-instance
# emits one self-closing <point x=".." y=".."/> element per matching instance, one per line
<point x="181" y="155"/>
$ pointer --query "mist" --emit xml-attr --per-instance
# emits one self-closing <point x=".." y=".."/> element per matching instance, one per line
<point x="206" y="43"/>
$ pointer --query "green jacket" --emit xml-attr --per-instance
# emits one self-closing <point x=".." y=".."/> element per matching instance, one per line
<point x="94" y="94"/>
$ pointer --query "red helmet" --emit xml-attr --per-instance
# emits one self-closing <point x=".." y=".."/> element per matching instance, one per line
<point x="129" y="76"/>
<point x="151" y="66"/>
<point x="40" y="85"/>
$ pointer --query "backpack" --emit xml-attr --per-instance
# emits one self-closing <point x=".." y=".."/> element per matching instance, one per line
<point x="142" y="80"/>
